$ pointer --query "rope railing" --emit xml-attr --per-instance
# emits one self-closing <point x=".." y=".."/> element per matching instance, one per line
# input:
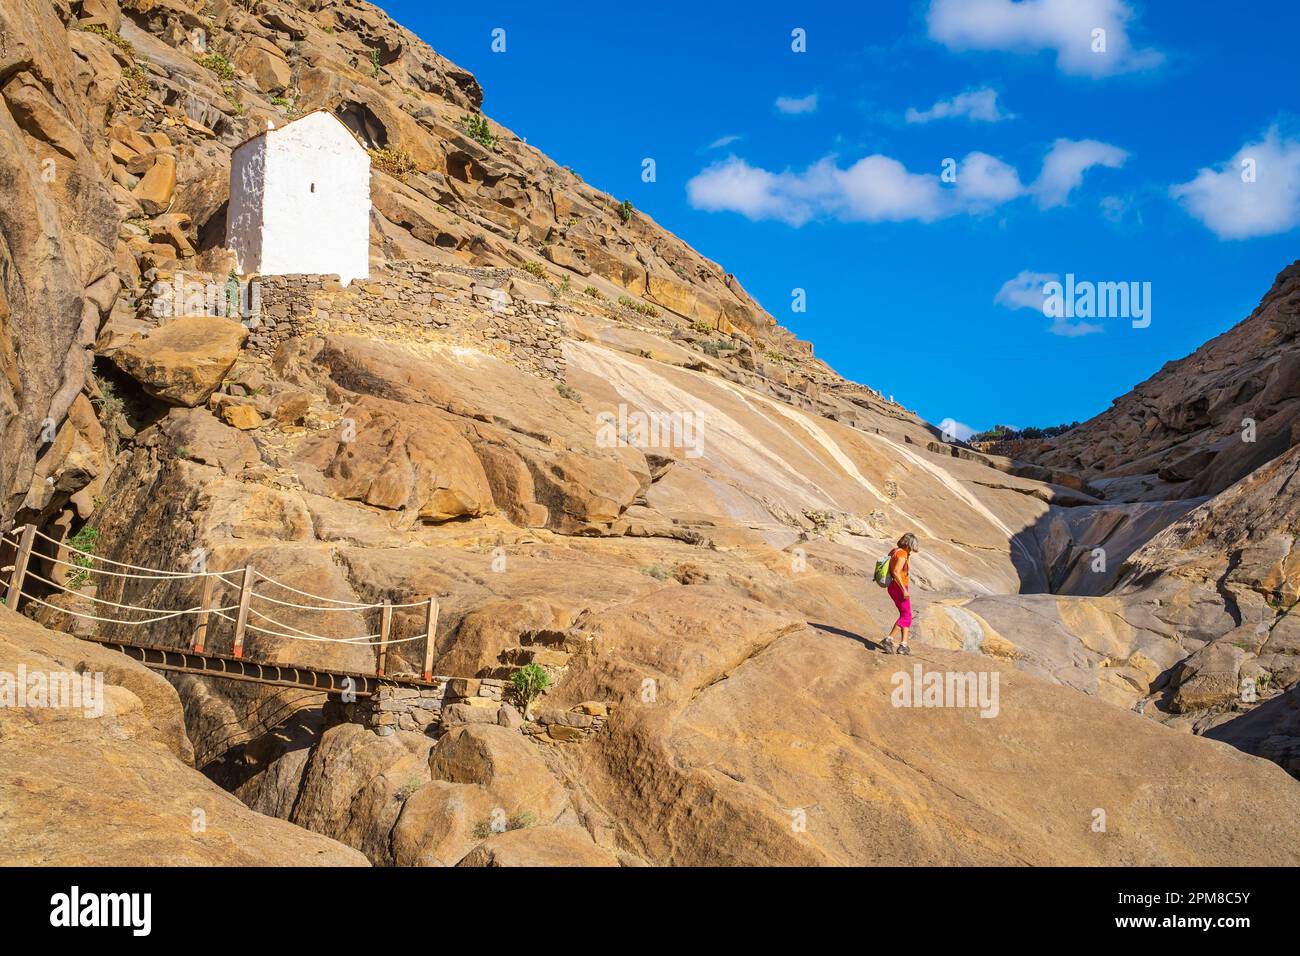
<point x="151" y="572"/>
<point x="243" y="579"/>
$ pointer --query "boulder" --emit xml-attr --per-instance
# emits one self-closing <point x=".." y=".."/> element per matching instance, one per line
<point x="183" y="361"/>
<point x="243" y="417"/>
<point x="155" y="189"/>
<point x="540" y="846"/>
<point x="264" y="65"/>
<point x="104" y="13"/>
<point x="207" y="440"/>
<point x="401" y="458"/>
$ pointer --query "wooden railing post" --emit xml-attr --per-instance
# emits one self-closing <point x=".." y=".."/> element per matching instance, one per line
<point x="19" y="573"/>
<point x="205" y="605"/>
<point x="245" y="595"/>
<point x="385" y="629"/>
<point x="430" y="633"/>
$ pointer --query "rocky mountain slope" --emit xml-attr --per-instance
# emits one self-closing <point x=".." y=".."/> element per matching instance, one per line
<point x="118" y="789"/>
<point x="462" y="425"/>
<point x="1202" y="422"/>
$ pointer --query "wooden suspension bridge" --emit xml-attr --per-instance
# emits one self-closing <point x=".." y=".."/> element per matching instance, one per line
<point x="22" y="582"/>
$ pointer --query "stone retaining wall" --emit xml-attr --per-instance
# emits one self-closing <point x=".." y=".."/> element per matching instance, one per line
<point x="497" y="309"/>
<point x="454" y="701"/>
<point x="393" y="708"/>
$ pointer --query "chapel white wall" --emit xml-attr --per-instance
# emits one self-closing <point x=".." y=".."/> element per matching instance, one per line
<point x="322" y="231"/>
<point x="244" y="210"/>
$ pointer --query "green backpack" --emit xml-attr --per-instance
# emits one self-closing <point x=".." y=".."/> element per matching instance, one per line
<point x="882" y="575"/>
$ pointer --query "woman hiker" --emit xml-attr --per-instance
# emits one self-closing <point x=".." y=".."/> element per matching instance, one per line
<point x="899" y="560"/>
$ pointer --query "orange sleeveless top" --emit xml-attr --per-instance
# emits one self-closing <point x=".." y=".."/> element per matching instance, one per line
<point x="898" y="568"/>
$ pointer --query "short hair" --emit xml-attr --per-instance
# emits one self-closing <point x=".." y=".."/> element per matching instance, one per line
<point x="909" y="543"/>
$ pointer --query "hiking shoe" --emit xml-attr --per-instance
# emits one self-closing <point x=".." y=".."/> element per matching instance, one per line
<point x="904" y="649"/>
<point x="888" y="645"/>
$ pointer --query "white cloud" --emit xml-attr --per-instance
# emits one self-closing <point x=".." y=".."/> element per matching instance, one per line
<point x="1233" y="207"/>
<point x="722" y="141"/>
<point x="1031" y="26"/>
<point x="878" y="188"/>
<point x="799" y="104"/>
<point x="976" y="105"/>
<point x="1065" y="165"/>
<point x="733" y="185"/>
<point x="984" y="181"/>
<point x="1025" y="291"/>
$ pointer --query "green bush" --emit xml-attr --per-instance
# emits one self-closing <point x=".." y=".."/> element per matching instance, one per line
<point x="393" y="160"/>
<point x="626" y="211"/>
<point x="656" y="572"/>
<point x="83" y="540"/>
<point x="218" y="64"/>
<point x="535" y="269"/>
<point x="478" y="129"/>
<point x="112" y="413"/>
<point x="641" y="307"/>
<point x="374" y="63"/>
<point x="117" y="40"/>
<point x="702" y="327"/>
<point x="528" y="684"/>
<point x="592" y="291"/>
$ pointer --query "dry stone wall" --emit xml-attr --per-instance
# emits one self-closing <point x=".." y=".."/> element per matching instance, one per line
<point x="495" y="309"/>
<point x="454" y="701"/>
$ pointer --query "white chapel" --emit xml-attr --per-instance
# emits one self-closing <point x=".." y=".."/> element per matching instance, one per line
<point x="300" y="200"/>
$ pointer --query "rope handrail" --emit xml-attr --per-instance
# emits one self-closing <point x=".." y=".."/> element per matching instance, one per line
<point x="112" y="620"/>
<point x="358" y="608"/>
<point x="350" y="605"/>
<point x="296" y="630"/>
<point x="355" y="641"/>
<point x="160" y="572"/>
<point x="81" y="564"/>
<point x="165" y="576"/>
<point x="308" y="607"/>
<point x="126" y="607"/>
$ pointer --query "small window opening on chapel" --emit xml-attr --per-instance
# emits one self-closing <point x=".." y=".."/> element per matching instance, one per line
<point x="313" y="187"/>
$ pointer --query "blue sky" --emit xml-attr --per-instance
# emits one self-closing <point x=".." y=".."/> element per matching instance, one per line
<point x="822" y="170"/>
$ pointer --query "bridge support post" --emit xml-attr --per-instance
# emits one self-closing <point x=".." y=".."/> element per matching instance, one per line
<point x="201" y="625"/>
<point x="19" y="572"/>
<point x="385" y="629"/>
<point x="430" y="632"/>
<point x="241" y="622"/>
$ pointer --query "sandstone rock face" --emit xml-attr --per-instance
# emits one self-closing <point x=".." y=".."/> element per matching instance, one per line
<point x="118" y="789"/>
<point x="58" y="225"/>
<point x="405" y="459"/>
<point x="185" y="360"/>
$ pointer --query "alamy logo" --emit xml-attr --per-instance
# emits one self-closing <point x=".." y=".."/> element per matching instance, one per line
<point x="72" y="909"/>
<point x="665" y="430"/>
<point x="57" y="690"/>
<point x="946" y="689"/>
<point x="1098" y="300"/>
<point x="232" y="298"/>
